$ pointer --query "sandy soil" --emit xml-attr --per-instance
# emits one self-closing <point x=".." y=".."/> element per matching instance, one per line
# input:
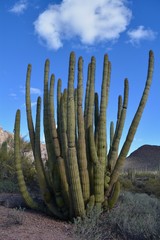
<point x="27" y="224"/>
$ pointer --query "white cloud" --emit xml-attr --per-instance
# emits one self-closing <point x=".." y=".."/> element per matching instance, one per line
<point x="92" y="21"/>
<point x="140" y="33"/>
<point x="33" y="104"/>
<point x="19" y="7"/>
<point x="13" y="95"/>
<point x="35" y="91"/>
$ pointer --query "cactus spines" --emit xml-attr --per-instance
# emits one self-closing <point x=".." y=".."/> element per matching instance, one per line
<point x="81" y="173"/>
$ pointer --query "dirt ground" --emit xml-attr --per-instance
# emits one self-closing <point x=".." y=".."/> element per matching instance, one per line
<point x="23" y="224"/>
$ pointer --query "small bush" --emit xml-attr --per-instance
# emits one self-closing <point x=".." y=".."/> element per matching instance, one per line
<point x="8" y="186"/>
<point x="136" y="217"/>
<point x="152" y="187"/>
<point x="15" y="217"/>
<point x="8" y="178"/>
<point x="88" y="227"/>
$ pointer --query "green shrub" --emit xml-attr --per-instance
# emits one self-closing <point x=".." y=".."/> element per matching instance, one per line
<point x="88" y="227"/>
<point x="152" y="187"/>
<point x="15" y="217"/>
<point x="8" y="186"/>
<point x="137" y="216"/>
<point x="143" y="182"/>
<point x="8" y="178"/>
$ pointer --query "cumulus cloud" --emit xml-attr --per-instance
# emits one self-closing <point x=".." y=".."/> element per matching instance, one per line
<point x="91" y="21"/>
<point x="141" y="33"/>
<point x="19" y="7"/>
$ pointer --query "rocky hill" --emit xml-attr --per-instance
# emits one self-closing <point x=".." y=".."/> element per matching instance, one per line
<point x="4" y="135"/>
<point x="146" y="157"/>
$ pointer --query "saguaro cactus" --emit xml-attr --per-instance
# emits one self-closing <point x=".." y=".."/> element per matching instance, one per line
<point x="81" y="172"/>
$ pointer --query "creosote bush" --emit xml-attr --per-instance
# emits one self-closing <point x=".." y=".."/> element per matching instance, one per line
<point x="82" y="172"/>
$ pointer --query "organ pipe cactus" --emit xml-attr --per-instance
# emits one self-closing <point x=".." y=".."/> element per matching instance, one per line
<point x="81" y="172"/>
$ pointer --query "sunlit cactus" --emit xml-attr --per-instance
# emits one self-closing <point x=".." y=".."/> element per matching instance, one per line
<point x="82" y="168"/>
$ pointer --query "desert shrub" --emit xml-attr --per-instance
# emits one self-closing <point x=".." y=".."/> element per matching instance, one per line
<point x="8" y="178"/>
<point x="7" y="168"/>
<point x="88" y="227"/>
<point x="126" y="184"/>
<point x="152" y="187"/>
<point x="8" y="186"/>
<point x="136" y="217"/>
<point x="15" y="216"/>
<point x="143" y="182"/>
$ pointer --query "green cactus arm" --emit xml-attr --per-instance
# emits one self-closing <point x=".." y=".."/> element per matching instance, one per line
<point x="87" y="95"/>
<point x="81" y="146"/>
<point x="28" y="108"/>
<point x="42" y="179"/>
<point x="108" y="76"/>
<point x="89" y="116"/>
<point x="102" y="135"/>
<point x="59" y="94"/>
<point x="99" y="168"/>
<point x="73" y="171"/>
<point x="90" y="107"/>
<point x="96" y="117"/>
<point x="46" y="121"/>
<point x="63" y="119"/>
<point x="75" y="110"/>
<point x="56" y="145"/>
<point x="90" y="205"/>
<point x="134" y="124"/>
<point x="119" y="109"/>
<point x="70" y="103"/>
<point x="53" y="129"/>
<point x="96" y="112"/>
<point x="21" y="182"/>
<point x="92" y="146"/>
<point x="114" y="195"/>
<point x="119" y="127"/>
<point x="46" y="191"/>
<point x="111" y="133"/>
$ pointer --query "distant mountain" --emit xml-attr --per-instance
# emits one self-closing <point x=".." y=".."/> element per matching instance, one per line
<point x="145" y="157"/>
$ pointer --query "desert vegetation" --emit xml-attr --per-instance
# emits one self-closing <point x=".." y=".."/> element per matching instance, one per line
<point x="81" y="179"/>
<point x="81" y="174"/>
<point x="135" y="216"/>
<point x="8" y="177"/>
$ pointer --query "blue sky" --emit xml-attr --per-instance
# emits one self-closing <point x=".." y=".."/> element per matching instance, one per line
<point x="32" y="31"/>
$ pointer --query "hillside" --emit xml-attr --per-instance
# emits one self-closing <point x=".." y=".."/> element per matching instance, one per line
<point x="145" y="157"/>
<point x="4" y="135"/>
